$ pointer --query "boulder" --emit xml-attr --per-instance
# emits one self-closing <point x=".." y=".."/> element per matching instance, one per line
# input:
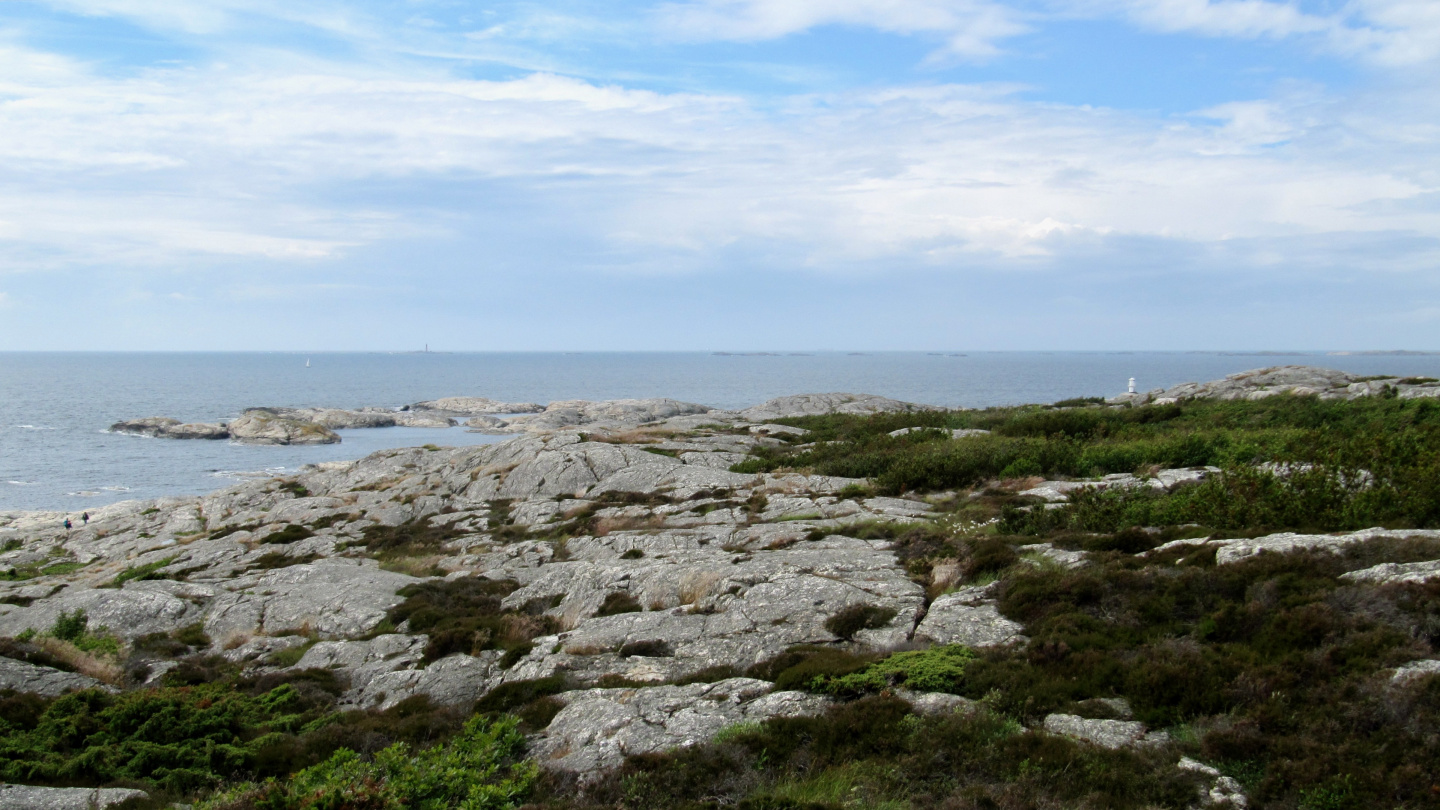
<point x="262" y="426"/>
<point x="598" y="728"/>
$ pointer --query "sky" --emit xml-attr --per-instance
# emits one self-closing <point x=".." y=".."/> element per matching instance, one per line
<point x="720" y="175"/>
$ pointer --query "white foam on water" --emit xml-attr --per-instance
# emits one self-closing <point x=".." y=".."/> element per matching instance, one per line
<point x="248" y="475"/>
<point x="84" y="493"/>
<point x="34" y="427"/>
<point x="24" y="483"/>
<point x="114" y="489"/>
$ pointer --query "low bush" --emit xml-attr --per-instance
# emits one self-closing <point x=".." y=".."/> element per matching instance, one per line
<point x="617" y="602"/>
<point x="851" y="620"/>
<point x="480" y="768"/>
<point x="465" y="615"/>
<point x="290" y="534"/>
<point x="150" y="570"/>
<point x="938" y="669"/>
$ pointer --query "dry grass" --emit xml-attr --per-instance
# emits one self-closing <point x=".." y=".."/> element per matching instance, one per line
<point x="696" y="585"/>
<point x="100" y="667"/>
<point x="236" y="638"/>
<point x="945" y="575"/>
<point x="425" y="566"/>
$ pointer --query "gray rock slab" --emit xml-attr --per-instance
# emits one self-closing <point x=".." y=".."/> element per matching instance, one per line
<point x="23" y="676"/>
<point x="1390" y="573"/>
<point x="451" y="681"/>
<point x="1232" y="551"/>
<point x="128" y="613"/>
<point x="1104" y="733"/>
<point x="475" y="406"/>
<point x="332" y="597"/>
<point x="969" y="617"/>
<point x="26" y="797"/>
<point x="935" y="703"/>
<point x="711" y="605"/>
<point x="260" y="426"/>
<point x="1416" y="669"/>
<point x="598" y="728"/>
<point x="790" y="407"/>
<point x="612" y="413"/>
<point x="1059" y="556"/>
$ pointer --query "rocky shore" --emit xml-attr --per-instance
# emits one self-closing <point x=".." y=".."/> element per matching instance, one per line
<point x="614" y="534"/>
<point x="1325" y="383"/>
<point x="317" y="425"/>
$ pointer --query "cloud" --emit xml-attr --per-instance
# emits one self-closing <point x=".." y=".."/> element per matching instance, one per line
<point x="969" y="28"/>
<point x="1394" y="33"/>
<point x="167" y="165"/>
<point x="1391" y="33"/>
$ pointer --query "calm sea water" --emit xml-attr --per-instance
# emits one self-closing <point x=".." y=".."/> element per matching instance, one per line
<point x="55" y="407"/>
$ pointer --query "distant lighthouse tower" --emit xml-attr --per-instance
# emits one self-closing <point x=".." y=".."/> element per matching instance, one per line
<point x="1131" y="389"/>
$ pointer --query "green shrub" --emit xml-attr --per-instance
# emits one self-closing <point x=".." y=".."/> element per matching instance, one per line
<point x="149" y="570"/>
<point x="481" y="768"/>
<point x="938" y="669"/>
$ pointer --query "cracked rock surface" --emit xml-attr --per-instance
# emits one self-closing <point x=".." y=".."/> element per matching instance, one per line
<point x="598" y="728"/>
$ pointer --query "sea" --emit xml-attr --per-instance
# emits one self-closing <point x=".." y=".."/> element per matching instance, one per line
<point x="55" y="408"/>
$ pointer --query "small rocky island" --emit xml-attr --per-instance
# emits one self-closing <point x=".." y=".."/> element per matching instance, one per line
<point x="652" y="603"/>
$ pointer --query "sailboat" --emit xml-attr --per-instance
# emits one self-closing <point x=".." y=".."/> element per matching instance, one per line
<point x="307" y="362"/>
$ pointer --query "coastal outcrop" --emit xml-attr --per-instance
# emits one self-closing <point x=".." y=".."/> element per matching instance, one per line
<point x="256" y="426"/>
<point x="1325" y="383"/>
<point x="620" y="577"/>
<point x="275" y="425"/>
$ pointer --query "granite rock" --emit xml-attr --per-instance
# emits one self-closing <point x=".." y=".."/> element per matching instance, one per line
<point x="598" y="728"/>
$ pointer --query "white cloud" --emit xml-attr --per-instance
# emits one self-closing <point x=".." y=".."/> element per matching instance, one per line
<point x="970" y="28"/>
<point x="159" y="168"/>
<point x="1394" y="33"/>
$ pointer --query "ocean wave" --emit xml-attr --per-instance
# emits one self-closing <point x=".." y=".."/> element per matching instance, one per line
<point x="84" y="493"/>
<point x="115" y="489"/>
<point x="24" y="483"/>
<point x="246" y="475"/>
<point x="34" y="427"/>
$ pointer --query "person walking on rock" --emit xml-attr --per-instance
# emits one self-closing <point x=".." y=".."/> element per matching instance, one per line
<point x="85" y="518"/>
<point x="67" y="524"/>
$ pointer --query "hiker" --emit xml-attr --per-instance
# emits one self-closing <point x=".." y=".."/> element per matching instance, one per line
<point x="85" y="518"/>
<point x="67" y="524"/>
